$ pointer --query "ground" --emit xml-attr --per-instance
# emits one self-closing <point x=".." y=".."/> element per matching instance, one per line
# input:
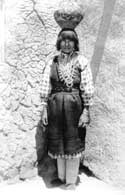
<point x="87" y="186"/>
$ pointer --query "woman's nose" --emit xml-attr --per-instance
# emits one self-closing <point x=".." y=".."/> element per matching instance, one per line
<point x="66" y="42"/>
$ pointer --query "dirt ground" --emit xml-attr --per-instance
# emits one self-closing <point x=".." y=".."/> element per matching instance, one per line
<point x="88" y="185"/>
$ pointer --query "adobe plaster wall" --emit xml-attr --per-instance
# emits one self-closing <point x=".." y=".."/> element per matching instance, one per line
<point x="30" y="34"/>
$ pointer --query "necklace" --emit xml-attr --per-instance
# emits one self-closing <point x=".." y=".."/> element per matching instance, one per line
<point x="66" y="70"/>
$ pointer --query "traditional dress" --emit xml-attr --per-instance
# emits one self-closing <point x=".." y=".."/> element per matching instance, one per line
<point x="66" y="89"/>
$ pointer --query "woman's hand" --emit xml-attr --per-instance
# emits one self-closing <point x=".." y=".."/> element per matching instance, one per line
<point x="84" y="118"/>
<point x="44" y="117"/>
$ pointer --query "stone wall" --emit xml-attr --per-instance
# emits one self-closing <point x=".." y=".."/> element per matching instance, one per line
<point x="31" y="34"/>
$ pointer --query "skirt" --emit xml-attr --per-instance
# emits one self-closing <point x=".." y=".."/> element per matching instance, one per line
<point x="64" y="110"/>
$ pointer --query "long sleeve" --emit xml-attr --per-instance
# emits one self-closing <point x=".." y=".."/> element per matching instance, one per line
<point x="45" y="85"/>
<point x="86" y="84"/>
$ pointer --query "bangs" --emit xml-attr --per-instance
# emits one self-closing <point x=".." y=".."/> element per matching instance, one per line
<point x="68" y="35"/>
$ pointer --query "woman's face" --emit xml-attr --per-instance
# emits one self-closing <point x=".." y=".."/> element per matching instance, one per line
<point x="67" y="44"/>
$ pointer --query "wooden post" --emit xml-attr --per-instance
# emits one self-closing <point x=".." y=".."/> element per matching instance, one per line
<point x="2" y="14"/>
<point x="102" y="36"/>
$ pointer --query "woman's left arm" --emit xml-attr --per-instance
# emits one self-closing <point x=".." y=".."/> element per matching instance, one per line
<point x="87" y="90"/>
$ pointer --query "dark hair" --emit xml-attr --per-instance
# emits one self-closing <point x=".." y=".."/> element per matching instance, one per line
<point x="73" y="37"/>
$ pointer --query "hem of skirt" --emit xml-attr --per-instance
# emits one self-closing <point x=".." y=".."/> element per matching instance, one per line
<point x="66" y="156"/>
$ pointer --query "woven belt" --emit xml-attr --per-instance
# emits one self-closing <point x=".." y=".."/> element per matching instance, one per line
<point x="64" y="89"/>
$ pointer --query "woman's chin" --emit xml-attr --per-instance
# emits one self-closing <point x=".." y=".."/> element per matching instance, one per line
<point x="67" y="52"/>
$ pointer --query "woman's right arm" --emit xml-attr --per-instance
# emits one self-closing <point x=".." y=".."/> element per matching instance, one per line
<point x="44" y="93"/>
<point x="45" y="86"/>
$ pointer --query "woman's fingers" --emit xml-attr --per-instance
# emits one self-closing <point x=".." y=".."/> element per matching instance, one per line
<point x="84" y="120"/>
<point x="85" y="124"/>
<point x="80" y="123"/>
<point x="45" y="120"/>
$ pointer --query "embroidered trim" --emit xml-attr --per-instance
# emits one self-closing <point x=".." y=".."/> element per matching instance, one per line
<point x="70" y="156"/>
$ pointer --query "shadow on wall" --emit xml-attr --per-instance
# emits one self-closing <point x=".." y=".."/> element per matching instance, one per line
<point x="47" y="167"/>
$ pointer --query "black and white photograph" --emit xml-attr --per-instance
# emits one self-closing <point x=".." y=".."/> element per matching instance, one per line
<point x="62" y="97"/>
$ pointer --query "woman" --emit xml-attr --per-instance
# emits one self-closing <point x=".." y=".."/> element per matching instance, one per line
<point x="66" y="94"/>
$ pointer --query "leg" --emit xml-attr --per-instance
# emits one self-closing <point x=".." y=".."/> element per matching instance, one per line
<point x="72" y="169"/>
<point x="61" y="166"/>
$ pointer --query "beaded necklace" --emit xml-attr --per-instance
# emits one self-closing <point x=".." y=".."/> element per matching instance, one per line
<point x="66" y="69"/>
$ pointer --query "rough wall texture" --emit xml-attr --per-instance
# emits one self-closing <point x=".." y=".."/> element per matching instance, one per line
<point x="30" y="39"/>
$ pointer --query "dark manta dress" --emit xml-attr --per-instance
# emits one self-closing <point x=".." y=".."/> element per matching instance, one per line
<point x="65" y="106"/>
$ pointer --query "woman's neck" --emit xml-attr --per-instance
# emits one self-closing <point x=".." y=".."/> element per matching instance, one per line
<point x="66" y="55"/>
<point x="65" y="58"/>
